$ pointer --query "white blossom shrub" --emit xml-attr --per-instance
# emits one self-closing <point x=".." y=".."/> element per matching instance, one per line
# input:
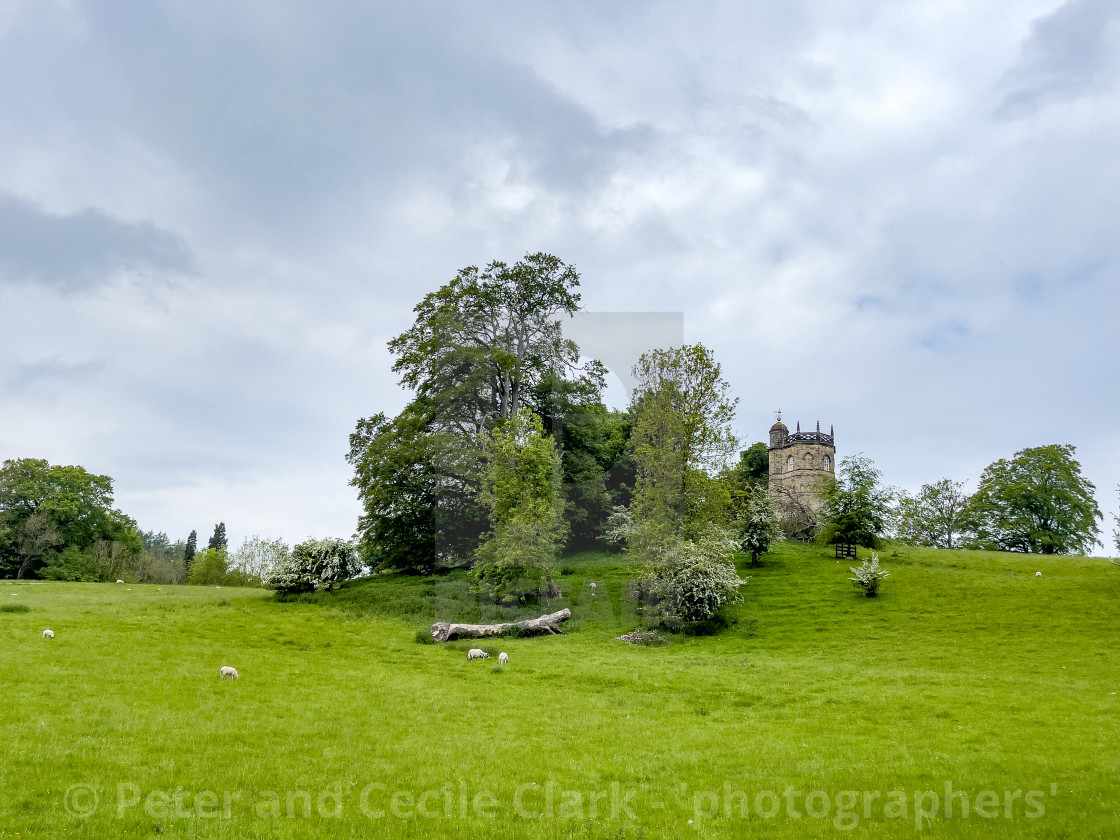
<point x="689" y="581"/>
<point x="314" y="565"/>
<point x="868" y="576"/>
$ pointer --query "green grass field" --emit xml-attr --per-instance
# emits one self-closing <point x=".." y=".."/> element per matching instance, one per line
<point x="817" y="712"/>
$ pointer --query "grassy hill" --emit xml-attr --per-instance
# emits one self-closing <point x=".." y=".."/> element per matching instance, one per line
<point x="817" y="711"/>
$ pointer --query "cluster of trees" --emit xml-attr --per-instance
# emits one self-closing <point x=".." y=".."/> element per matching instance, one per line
<point x="1037" y="502"/>
<point x="59" y="521"/>
<point x="507" y="454"/>
<point x="498" y="389"/>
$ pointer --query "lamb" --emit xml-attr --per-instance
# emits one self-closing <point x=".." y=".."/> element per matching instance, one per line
<point x="227" y="671"/>
<point x="503" y="658"/>
<point x="48" y="634"/>
<point x="1038" y="574"/>
<point x="120" y="581"/>
<point x="592" y="585"/>
<point x="475" y="653"/>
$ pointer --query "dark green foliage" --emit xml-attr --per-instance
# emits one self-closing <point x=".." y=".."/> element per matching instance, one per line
<point x="72" y="565"/>
<point x="1038" y="502"/>
<point x="218" y="540"/>
<point x="14" y="608"/>
<point x="597" y="468"/>
<point x="754" y="464"/>
<point x="419" y="487"/>
<point x="856" y="506"/>
<point x="189" y="550"/>
<point x="424" y="637"/>
<point x="46" y="509"/>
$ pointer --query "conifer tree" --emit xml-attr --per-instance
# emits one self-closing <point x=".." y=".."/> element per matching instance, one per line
<point x="189" y="552"/>
<point x="218" y="541"/>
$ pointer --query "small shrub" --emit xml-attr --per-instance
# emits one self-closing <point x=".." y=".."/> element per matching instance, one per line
<point x="646" y="638"/>
<point x="868" y="576"/>
<point x="424" y="637"/>
<point x="15" y="608"/>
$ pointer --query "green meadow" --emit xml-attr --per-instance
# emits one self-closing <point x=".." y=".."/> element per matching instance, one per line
<point x="816" y="712"/>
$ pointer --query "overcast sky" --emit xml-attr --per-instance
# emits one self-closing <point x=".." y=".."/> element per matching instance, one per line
<point x="899" y="218"/>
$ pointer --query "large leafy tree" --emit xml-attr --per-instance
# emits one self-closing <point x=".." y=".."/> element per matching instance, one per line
<point x="46" y="509"/>
<point x="522" y="492"/>
<point x="479" y="347"/>
<point x="682" y="409"/>
<point x="856" y="507"/>
<point x="483" y="340"/>
<point x="419" y="485"/>
<point x="935" y="516"/>
<point x="1036" y="502"/>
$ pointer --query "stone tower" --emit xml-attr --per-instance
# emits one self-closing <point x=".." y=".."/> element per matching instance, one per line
<point x="796" y="462"/>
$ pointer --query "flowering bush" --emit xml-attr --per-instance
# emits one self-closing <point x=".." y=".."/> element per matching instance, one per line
<point x="690" y="580"/>
<point x="314" y="564"/>
<point x="868" y="576"/>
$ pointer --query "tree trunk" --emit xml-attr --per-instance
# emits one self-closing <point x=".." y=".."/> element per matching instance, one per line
<point x="546" y="625"/>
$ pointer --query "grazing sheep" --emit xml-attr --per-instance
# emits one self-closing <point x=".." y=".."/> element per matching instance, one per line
<point x="1038" y="574"/>
<point x="120" y="581"/>
<point x="228" y="672"/>
<point x="503" y="658"/>
<point x="592" y="584"/>
<point x="48" y="634"/>
<point x="475" y="653"/>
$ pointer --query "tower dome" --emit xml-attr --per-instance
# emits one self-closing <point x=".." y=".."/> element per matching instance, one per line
<point x="778" y="434"/>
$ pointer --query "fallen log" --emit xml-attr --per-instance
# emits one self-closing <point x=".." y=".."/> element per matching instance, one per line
<point x="546" y="625"/>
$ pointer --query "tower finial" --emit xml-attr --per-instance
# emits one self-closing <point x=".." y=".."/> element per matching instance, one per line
<point x="818" y="426"/>
<point x="832" y="431"/>
<point x="799" y="425"/>
<point x="778" y="414"/>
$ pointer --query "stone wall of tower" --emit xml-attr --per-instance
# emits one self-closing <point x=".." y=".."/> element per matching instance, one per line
<point x="799" y="480"/>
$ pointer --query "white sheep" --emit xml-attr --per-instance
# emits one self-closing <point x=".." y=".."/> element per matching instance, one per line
<point x="1038" y="574"/>
<point x="503" y="658"/>
<point x="120" y="581"/>
<point x="592" y="587"/>
<point x="227" y="671"/>
<point x="475" y="653"/>
<point x="48" y="634"/>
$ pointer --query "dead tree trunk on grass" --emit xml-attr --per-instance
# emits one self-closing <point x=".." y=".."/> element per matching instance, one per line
<point x="546" y="625"/>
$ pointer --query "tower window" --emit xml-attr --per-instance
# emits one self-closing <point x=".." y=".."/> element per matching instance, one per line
<point x="789" y="464"/>
<point x="827" y="463"/>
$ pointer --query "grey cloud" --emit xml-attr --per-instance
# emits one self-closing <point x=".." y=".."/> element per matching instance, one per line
<point x="82" y="249"/>
<point x="285" y="113"/>
<point x="1069" y="53"/>
<point x="49" y="372"/>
